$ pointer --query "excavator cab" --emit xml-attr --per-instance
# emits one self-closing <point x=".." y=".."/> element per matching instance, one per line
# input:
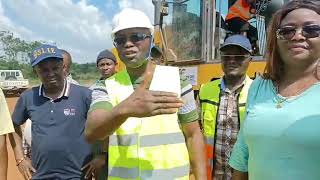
<point x="190" y="33"/>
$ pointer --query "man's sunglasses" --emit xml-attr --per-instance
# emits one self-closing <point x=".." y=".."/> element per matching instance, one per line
<point x="238" y="58"/>
<point x="308" y="31"/>
<point x="121" y="40"/>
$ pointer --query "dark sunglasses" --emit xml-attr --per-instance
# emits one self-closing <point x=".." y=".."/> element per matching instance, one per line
<point x="121" y="40"/>
<point x="308" y="31"/>
<point x="238" y="58"/>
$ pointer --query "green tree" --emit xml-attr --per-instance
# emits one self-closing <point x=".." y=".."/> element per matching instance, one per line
<point x="15" y="55"/>
<point x="12" y="46"/>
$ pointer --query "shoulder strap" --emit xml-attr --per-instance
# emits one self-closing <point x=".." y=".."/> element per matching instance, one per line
<point x="147" y="76"/>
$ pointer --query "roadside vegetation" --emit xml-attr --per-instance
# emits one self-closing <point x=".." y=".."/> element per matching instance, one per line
<point x="14" y="54"/>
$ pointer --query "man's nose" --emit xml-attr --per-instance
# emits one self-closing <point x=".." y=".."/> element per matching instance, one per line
<point x="50" y="72"/>
<point x="128" y="43"/>
<point x="105" y="67"/>
<point x="231" y="59"/>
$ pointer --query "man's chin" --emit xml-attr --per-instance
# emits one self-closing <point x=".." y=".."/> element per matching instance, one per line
<point x="135" y="63"/>
<point x="53" y="84"/>
<point x="233" y="74"/>
<point x="131" y="56"/>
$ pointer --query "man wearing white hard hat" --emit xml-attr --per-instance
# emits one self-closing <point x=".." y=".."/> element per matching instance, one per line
<point x="148" y="112"/>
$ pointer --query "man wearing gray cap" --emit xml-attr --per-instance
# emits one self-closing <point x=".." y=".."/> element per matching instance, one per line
<point x="223" y="105"/>
<point x="106" y="63"/>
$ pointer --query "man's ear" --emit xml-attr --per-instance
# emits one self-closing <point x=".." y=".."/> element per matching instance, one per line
<point x="34" y="71"/>
<point x="65" y="69"/>
<point x="64" y="66"/>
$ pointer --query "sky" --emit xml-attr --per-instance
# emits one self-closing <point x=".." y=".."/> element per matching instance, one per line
<point x="81" y="27"/>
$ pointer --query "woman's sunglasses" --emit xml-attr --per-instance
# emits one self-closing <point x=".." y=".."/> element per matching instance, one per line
<point x="134" y="38"/>
<point x="308" y="31"/>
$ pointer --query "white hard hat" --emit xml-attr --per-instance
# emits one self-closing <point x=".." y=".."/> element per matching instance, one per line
<point x="130" y="18"/>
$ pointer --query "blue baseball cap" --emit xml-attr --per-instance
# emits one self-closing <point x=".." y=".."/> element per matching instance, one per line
<point x="237" y="40"/>
<point x="44" y="52"/>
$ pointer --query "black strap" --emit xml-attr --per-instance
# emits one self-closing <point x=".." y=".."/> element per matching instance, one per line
<point x="209" y="102"/>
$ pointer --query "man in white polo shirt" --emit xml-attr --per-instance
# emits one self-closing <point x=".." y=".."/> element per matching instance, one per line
<point x="6" y="127"/>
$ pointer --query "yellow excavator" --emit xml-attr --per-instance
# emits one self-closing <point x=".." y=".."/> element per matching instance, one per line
<point x="190" y="32"/>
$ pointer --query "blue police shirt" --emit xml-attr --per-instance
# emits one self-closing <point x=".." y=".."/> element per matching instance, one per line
<point x="59" y="149"/>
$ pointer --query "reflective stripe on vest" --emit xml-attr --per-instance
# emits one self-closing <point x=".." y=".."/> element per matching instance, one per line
<point x="210" y="100"/>
<point x="146" y="141"/>
<point x="239" y="9"/>
<point x="133" y="173"/>
<point x="152" y="147"/>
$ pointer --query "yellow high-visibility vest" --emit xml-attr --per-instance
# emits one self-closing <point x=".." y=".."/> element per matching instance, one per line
<point x="152" y="147"/>
<point x="209" y="96"/>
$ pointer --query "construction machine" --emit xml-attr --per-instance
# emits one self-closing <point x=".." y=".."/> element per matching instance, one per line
<point x="190" y="33"/>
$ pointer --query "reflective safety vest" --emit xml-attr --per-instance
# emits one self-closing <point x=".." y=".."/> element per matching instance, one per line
<point x="152" y="147"/>
<point x="239" y="9"/>
<point x="210" y="100"/>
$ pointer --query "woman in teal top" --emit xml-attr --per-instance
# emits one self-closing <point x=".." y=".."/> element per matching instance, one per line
<point x="280" y="138"/>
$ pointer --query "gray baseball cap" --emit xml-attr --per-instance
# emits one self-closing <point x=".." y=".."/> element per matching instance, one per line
<point x="237" y="40"/>
<point x="106" y="54"/>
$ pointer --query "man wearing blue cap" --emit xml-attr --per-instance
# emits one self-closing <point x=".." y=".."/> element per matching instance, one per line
<point x="58" y="111"/>
<point x="223" y="105"/>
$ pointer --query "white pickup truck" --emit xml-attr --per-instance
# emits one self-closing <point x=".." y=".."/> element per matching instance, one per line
<point x="12" y="82"/>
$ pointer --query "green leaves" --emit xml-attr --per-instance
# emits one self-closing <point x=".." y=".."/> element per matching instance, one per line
<point x="15" y="49"/>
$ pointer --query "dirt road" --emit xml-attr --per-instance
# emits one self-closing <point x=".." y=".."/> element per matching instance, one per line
<point x="13" y="173"/>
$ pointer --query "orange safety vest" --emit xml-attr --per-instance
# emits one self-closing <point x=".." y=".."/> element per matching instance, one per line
<point x="239" y="9"/>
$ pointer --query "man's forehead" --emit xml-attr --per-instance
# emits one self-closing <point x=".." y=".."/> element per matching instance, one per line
<point x="50" y="62"/>
<point x="105" y="60"/>
<point x="132" y="31"/>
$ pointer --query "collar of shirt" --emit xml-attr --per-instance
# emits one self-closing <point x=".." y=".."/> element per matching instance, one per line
<point x="69" y="77"/>
<point x="65" y="91"/>
<point x="236" y="88"/>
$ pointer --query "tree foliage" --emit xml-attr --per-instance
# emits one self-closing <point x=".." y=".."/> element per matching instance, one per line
<point x="15" y="55"/>
<point x="14" y="48"/>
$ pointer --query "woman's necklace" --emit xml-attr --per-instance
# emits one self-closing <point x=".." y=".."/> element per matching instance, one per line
<point x="281" y="99"/>
<point x="307" y="84"/>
